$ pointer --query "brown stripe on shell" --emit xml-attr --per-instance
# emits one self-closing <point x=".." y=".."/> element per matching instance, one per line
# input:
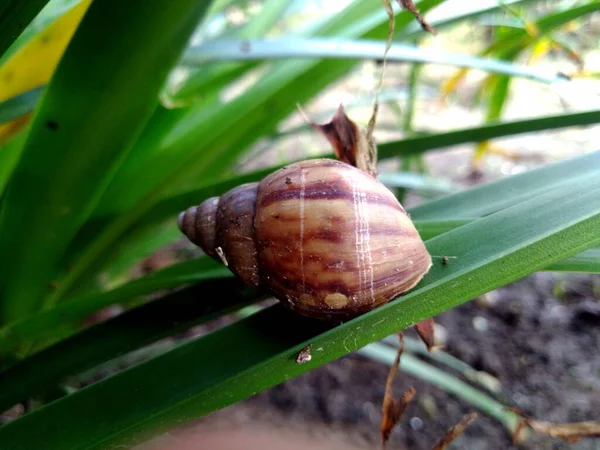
<point x="235" y="232"/>
<point x="278" y="177"/>
<point x="186" y="222"/>
<point x="205" y="225"/>
<point x="326" y="190"/>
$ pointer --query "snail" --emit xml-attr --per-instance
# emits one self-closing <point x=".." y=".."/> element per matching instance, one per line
<point x="327" y="239"/>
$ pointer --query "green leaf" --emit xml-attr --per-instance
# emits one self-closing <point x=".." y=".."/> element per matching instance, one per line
<point x="410" y="180"/>
<point x="291" y="48"/>
<point x="9" y="156"/>
<point x="585" y="262"/>
<point x="526" y="238"/>
<point x="214" y="78"/>
<point x="66" y="317"/>
<point x="117" y="336"/>
<point x="506" y="192"/>
<point x="19" y="105"/>
<point x="65" y="165"/>
<point x="15" y="15"/>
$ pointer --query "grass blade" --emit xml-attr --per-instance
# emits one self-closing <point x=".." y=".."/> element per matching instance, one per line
<point x="492" y="197"/>
<point x="417" y="347"/>
<point x="98" y="71"/>
<point x="290" y="48"/>
<point x="585" y="262"/>
<point x="9" y="156"/>
<point x="127" y="332"/>
<point x="411" y="180"/>
<point x="67" y="317"/>
<point x="20" y="105"/>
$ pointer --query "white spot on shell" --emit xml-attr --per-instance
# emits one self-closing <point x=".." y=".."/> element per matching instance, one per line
<point x="363" y="240"/>
<point x="221" y="254"/>
<point x="336" y="300"/>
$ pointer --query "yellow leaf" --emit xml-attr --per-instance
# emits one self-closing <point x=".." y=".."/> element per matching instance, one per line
<point x="531" y="28"/>
<point x="34" y="63"/>
<point x="452" y="83"/>
<point x="540" y="49"/>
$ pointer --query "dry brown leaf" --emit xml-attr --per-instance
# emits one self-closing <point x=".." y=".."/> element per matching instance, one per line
<point x="350" y="142"/>
<point x="409" y="5"/>
<point x="426" y="332"/>
<point x="455" y="431"/>
<point x="571" y="432"/>
<point x="394" y="408"/>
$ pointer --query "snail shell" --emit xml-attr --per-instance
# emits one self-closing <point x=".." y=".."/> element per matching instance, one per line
<point x="327" y="239"/>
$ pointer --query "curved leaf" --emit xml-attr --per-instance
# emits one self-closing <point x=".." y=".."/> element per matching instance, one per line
<point x="19" y="105"/>
<point x="291" y="48"/>
<point x="127" y="332"/>
<point x="66" y="317"/>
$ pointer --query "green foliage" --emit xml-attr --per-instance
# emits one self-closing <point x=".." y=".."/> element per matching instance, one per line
<point x="116" y="148"/>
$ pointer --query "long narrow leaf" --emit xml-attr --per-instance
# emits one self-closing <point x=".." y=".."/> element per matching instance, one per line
<point x="289" y="48"/>
<point x="67" y="317"/>
<point x="97" y="72"/>
<point x="585" y="262"/>
<point x="506" y="192"/>
<point x="115" y="337"/>
<point x="258" y="352"/>
<point x="19" y="105"/>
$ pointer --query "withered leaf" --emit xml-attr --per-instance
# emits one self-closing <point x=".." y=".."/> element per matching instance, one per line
<point x="571" y="431"/>
<point x="409" y="5"/>
<point x="455" y="431"/>
<point x="393" y="408"/>
<point x="350" y="142"/>
<point x="426" y="332"/>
